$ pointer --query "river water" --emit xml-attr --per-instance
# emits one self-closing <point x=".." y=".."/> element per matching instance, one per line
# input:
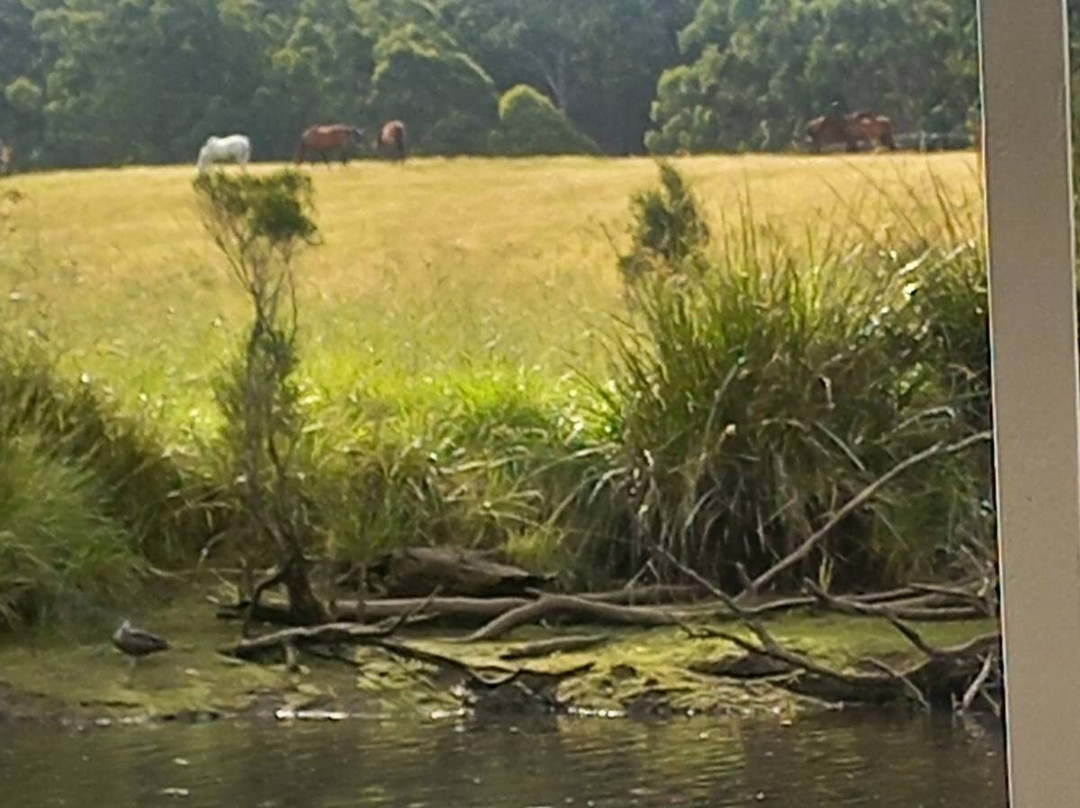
<point x="847" y="759"/>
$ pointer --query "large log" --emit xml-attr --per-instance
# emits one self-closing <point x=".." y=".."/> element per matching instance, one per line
<point x="419" y="571"/>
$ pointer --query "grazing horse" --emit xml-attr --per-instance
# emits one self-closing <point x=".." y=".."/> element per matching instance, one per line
<point x="327" y="138"/>
<point x="829" y="129"/>
<point x="851" y="130"/>
<point x="233" y="148"/>
<point x="6" y="159"/>
<point x="392" y="136"/>
<point x="874" y="129"/>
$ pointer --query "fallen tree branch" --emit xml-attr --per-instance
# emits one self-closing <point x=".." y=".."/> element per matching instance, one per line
<point x="557" y="645"/>
<point x="977" y="684"/>
<point x="551" y="605"/>
<point x="915" y="614"/>
<point x="326" y="634"/>
<point x="804" y="549"/>
<point x="967" y="595"/>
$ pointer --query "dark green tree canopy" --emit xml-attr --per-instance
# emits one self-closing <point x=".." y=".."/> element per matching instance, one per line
<point x="92" y="82"/>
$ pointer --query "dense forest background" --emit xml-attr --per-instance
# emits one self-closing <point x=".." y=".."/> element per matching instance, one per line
<point x="113" y="81"/>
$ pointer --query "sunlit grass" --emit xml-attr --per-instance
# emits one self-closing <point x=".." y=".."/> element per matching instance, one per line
<point x="429" y="271"/>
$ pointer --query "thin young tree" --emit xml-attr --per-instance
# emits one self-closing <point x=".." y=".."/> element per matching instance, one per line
<point x="259" y="223"/>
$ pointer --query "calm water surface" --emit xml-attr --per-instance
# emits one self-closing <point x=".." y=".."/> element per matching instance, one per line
<point x="843" y="760"/>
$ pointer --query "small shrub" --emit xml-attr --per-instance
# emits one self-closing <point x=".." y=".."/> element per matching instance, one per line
<point x="529" y="124"/>
<point x="668" y="229"/>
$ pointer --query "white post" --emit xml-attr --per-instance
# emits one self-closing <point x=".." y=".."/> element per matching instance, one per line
<point x="1034" y="348"/>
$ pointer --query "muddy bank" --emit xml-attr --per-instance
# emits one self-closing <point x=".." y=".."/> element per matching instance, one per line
<point x="78" y="677"/>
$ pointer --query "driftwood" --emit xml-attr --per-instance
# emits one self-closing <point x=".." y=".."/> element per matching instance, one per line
<point x="416" y="571"/>
<point x="463" y="611"/>
<point x="561" y="605"/>
<point x="556" y="645"/>
<point x="742" y="666"/>
<point x="955" y="678"/>
<point x="944" y="680"/>
<point x="327" y="634"/>
<point x="904" y="610"/>
<point x="599" y="608"/>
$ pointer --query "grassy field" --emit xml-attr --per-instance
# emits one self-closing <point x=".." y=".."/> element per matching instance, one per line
<point x="442" y="273"/>
<point x="469" y="373"/>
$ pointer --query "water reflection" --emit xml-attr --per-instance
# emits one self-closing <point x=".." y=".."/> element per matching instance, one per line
<point x="844" y="760"/>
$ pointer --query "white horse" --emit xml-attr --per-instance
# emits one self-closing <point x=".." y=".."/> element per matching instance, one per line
<point x="234" y="148"/>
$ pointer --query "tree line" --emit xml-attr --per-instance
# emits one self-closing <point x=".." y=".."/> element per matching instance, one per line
<point x="87" y="82"/>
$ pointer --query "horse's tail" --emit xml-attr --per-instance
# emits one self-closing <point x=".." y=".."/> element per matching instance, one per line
<point x="298" y="156"/>
<point x="401" y="149"/>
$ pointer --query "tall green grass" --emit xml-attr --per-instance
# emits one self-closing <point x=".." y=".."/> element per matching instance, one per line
<point x="88" y="497"/>
<point x="762" y="384"/>
<point x="60" y="552"/>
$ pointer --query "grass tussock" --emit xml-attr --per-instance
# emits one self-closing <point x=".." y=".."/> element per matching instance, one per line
<point x="87" y="499"/>
<point x="760" y="386"/>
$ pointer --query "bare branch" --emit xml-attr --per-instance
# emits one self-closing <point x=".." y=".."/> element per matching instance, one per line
<point x="804" y="549"/>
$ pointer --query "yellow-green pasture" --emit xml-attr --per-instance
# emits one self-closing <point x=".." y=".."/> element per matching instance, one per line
<point x="436" y="274"/>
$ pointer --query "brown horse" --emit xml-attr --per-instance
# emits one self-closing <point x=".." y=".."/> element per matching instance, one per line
<point x="7" y="162"/>
<point x="874" y="129"/>
<point x="392" y="136"/>
<point x="327" y="138"/>
<point x="851" y="130"/>
<point x="829" y="129"/>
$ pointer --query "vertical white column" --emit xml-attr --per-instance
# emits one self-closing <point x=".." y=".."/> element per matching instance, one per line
<point x="1034" y="347"/>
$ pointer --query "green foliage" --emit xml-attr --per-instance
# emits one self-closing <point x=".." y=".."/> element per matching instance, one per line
<point x="60" y="552"/>
<point x="258" y="223"/>
<point x="529" y="124"/>
<point x="668" y="229"/>
<point x="139" y="486"/>
<point x="147" y="80"/>
<point x="754" y="73"/>
<point x="497" y="463"/>
<point x="598" y="61"/>
<point x="86" y="497"/>
<point x="254" y="218"/>
<point x="447" y="99"/>
<point x="753" y="397"/>
<point x="24" y="96"/>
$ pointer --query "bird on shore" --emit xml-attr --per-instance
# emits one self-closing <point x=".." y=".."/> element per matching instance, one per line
<point x="135" y="642"/>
